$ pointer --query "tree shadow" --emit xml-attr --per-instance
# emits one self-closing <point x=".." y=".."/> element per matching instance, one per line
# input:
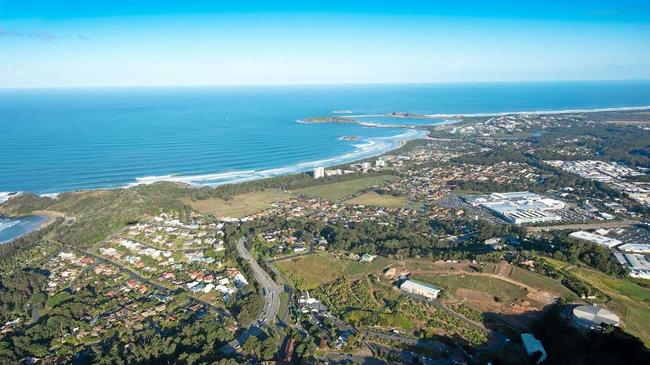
<point x="564" y="342"/>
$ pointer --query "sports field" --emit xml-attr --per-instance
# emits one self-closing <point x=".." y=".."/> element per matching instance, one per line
<point x="372" y="198"/>
<point x="339" y="190"/>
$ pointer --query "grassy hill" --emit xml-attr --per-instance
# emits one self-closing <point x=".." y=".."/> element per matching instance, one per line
<point x="93" y="215"/>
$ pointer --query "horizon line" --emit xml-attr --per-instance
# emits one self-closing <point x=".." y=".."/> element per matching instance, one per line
<point x="318" y="84"/>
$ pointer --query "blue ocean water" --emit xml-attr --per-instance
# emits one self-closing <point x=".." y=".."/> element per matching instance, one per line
<point x="54" y="140"/>
<point x="12" y="228"/>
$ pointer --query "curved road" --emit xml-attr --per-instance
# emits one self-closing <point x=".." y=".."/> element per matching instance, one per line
<point x="271" y="307"/>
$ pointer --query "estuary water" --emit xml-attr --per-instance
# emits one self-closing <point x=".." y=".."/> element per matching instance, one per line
<point x="54" y="140"/>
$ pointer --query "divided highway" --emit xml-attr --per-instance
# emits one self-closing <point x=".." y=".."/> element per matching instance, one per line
<point x="271" y="292"/>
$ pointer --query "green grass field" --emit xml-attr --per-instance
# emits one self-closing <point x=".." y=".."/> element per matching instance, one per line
<point x="239" y="206"/>
<point x="372" y="198"/>
<point x="540" y="281"/>
<point x="629" y="300"/>
<point x="534" y="280"/>
<point x="451" y="283"/>
<point x="339" y="190"/>
<point x="311" y="271"/>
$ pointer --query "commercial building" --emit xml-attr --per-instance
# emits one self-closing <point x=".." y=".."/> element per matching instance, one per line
<point x="635" y="247"/>
<point x="319" y="172"/>
<point x="519" y="207"/>
<point x="532" y="345"/>
<point x="637" y="265"/>
<point x="413" y="287"/>
<point x="595" y="238"/>
<point x="593" y="317"/>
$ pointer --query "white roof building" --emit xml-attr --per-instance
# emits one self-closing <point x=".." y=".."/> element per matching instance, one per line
<point x="638" y="265"/>
<point x="635" y="247"/>
<point x="367" y="258"/>
<point x="591" y="237"/>
<point x="519" y="207"/>
<point x="425" y="290"/>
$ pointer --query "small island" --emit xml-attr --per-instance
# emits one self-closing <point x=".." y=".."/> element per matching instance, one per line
<point x="340" y="120"/>
<point x="408" y="115"/>
<point x="350" y="138"/>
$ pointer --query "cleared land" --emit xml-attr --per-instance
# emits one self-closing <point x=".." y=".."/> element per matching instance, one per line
<point x="239" y="205"/>
<point x="372" y="198"/>
<point x="339" y="190"/>
<point x="506" y="292"/>
<point x="529" y="278"/>
<point x="310" y="271"/>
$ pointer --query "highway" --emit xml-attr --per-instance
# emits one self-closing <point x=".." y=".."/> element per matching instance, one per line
<point x="271" y="292"/>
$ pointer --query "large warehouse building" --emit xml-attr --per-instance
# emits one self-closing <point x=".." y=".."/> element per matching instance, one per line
<point x="519" y="207"/>
<point x="425" y="290"/>
<point x="593" y="317"/>
<point x="595" y="238"/>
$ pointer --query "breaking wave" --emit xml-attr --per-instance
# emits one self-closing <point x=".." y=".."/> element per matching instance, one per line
<point x="368" y="148"/>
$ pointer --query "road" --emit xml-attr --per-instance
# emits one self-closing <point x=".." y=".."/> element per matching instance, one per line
<point x="617" y="224"/>
<point x="271" y="307"/>
<point x="271" y="291"/>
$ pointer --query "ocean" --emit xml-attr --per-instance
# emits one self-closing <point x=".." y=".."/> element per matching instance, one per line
<point x="55" y="140"/>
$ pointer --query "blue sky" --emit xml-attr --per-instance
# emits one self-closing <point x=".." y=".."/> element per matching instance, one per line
<point x="70" y="43"/>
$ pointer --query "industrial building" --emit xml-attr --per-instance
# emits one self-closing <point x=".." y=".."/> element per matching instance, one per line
<point x="519" y="207"/>
<point x="638" y="265"/>
<point x="635" y="247"/>
<point x="595" y="238"/>
<point x="413" y="287"/>
<point x="593" y="317"/>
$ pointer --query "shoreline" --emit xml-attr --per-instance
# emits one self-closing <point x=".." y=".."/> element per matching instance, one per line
<point x="362" y="152"/>
<point x="235" y="177"/>
<point x="359" y="154"/>
<point x="50" y="217"/>
<point x="544" y="112"/>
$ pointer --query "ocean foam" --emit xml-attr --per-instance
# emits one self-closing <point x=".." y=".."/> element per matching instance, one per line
<point x="542" y="112"/>
<point x="370" y="147"/>
<point x="5" y="195"/>
<point x="6" y="223"/>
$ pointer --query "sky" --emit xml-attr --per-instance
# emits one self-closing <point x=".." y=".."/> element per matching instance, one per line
<point x="89" y="43"/>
